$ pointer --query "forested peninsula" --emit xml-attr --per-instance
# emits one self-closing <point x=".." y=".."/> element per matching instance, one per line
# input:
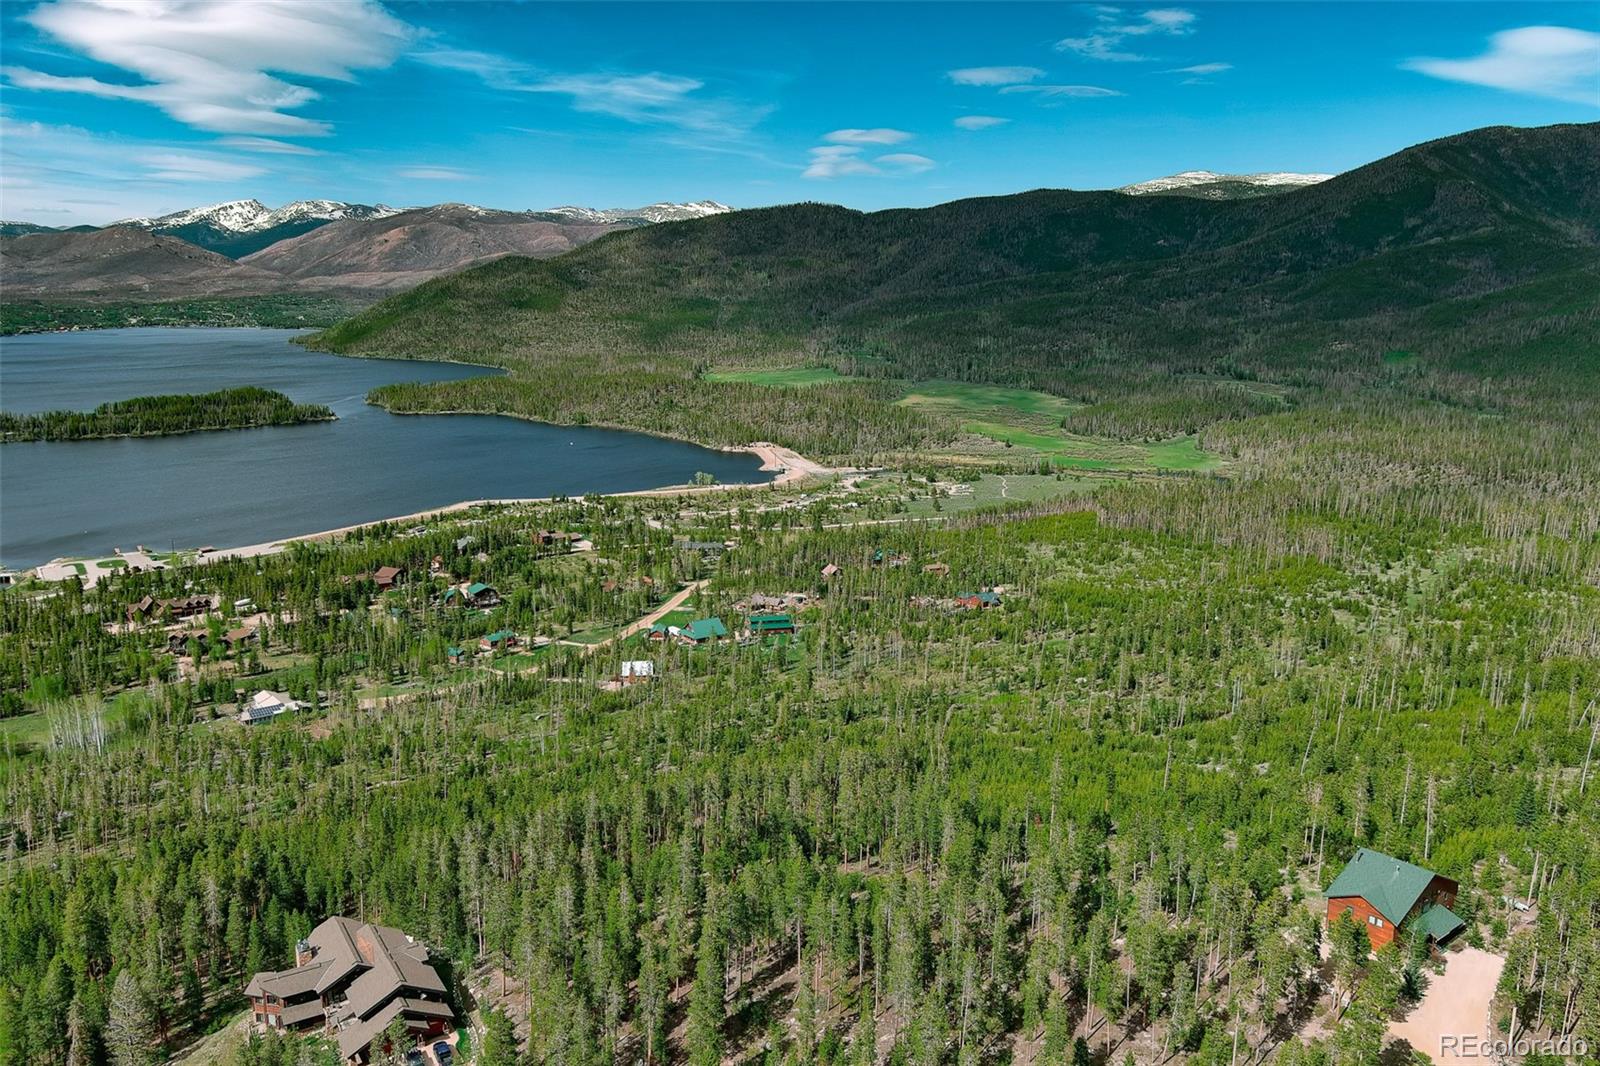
<point x="155" y="416"/>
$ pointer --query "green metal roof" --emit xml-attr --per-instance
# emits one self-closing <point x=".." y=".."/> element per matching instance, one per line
<point x="1436" y="922"/>
<point x="478" y="588"/>
<point x="452" y="650"/>
<point x="771" y="621"/>
<point x="1389" y="884"/>
<point x="499" y="635"/>
<point x="705" y="629"/>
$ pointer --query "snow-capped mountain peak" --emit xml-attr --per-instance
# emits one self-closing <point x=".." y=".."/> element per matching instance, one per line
<point x="249" y="216"/>
<point x="659" y="212"/>
<point x="1190" y="178"/>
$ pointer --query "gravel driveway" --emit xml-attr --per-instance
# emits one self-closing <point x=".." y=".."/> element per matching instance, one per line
<point x="1456" y="1004"/>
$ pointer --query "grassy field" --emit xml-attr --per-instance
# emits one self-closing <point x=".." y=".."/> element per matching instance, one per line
<point x="992" y="490"/>
<point x="1031" y="421"/>
<point x="968" y="401"/>
<point x="786" y="377"/>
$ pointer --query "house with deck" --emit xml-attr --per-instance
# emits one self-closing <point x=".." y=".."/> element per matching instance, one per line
<point x="352" y="980"/>
<point x="1386" y="895"/>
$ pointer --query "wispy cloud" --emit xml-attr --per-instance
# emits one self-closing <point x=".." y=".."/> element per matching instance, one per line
<point x="980" y="122"/>
<point x="846" y="160"/>
<point x="1203" y="68"/>
<point x="909" y="162"/>
<point x="193" y="167"/>
<point x="652" y="98"/>
<point x="432" y="173"/>
<point x="1113" y="27"/>
<point x="1557" y="62"/>
<point x="1048" y="91"/>
<point x="205" y="62"/>
<point x="51" y="170"/>
<point x="873" y="136"/>
<point x="267" y="145"/>
<point x="994" y="75"/>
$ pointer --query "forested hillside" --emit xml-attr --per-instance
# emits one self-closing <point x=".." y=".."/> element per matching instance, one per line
<point x="1478" y="254"/>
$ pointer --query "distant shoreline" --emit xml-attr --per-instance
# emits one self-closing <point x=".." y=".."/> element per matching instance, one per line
<point x="790" y="466"/>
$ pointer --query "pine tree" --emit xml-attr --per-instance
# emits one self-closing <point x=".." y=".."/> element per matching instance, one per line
<point x="129" y="1027"/>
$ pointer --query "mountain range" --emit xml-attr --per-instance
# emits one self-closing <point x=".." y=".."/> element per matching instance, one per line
<point x="1212" y="186"/>
<point x="305" y="246"/>
<point x="1474" y="241"/>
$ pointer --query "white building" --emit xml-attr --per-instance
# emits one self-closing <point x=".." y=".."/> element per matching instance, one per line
<point x="265" y="706"/>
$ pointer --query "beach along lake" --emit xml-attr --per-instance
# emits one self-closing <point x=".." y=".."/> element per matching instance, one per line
<point x="234" y="487"/>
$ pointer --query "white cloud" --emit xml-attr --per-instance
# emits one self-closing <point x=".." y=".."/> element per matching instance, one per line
<point x="1203" y="68"/>
<point x="1112" y="28"/>
<point x="1062" y="90"/>
<point x="979" y="122"/>
<point x="873" y="136"/>
<point x="649" y="99"/>
<point x="267" y="145"/>
<point x="994" y="75"/>
<point x="837" y="161"/>
<point x="906" y="161"/>
<point x="432" y="173"/>
<point x="845" y="160"/>
<point x="205" y="62"/>
<point x="192" y="167"/>
<point x="1552" y="61"/>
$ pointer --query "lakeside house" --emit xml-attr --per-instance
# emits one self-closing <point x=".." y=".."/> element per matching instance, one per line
<point x="352" y="980"/>
<point x="185" y="606"/>
<point x="141" y="610"/>
<point x="476" y="594"/>
<point x="1387" y="894"/>
<point x="266" y="705"/>
<point x="387" y="577"/>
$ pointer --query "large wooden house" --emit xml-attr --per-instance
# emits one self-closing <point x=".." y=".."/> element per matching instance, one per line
<point x="353" y="980"/>
<point x="1384" y="894"/>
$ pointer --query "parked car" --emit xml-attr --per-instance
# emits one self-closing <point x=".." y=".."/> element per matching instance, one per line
<point x="414" y="1057"/>
<point x="441" y="1051"/>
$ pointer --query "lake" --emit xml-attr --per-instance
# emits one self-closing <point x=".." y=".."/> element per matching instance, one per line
<point x="235" y="487"/>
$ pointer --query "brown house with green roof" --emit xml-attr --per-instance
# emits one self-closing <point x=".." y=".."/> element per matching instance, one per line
<point x="352" y="980"/>
<point x="1384" y="893"/>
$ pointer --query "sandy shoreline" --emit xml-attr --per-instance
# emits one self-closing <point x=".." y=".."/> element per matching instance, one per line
<point x="790" y="465"/>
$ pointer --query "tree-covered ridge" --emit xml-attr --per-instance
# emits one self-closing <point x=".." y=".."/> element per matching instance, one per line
<point x="1479" y="253"/>
<point x="151" y="416"/>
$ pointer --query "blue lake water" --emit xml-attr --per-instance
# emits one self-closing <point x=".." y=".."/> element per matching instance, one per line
<point x="226" y="488"/>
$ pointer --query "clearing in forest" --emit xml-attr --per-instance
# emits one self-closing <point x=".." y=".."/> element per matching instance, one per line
<point x="780" y="377"/>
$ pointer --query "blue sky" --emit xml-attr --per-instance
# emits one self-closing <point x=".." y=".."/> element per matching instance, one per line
<point x="113" y="108"/>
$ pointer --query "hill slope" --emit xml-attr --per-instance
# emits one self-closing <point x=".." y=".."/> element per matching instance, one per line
<point x="401" y="250"/>
<point x="1484" y="247"/>
<point x="124" y="262"/>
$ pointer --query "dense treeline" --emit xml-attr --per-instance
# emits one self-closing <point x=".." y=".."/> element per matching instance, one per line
<point x="1102" y="811"/>
<point x="148" y="416"/>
